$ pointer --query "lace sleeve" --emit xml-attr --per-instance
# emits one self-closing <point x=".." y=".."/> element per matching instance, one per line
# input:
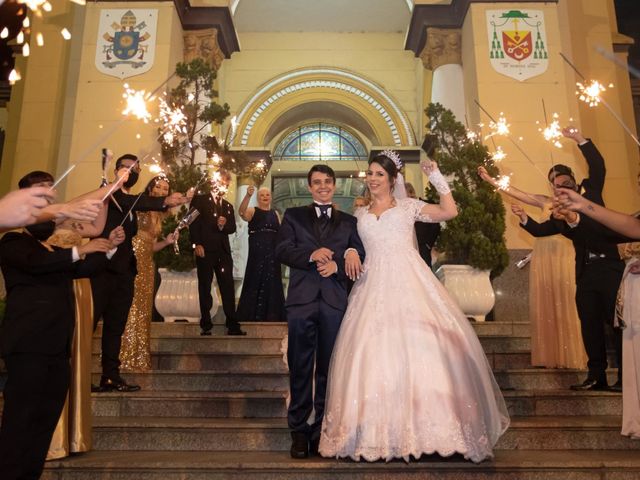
<point x="414" y="208"/>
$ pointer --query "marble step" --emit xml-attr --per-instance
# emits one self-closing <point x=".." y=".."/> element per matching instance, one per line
<point x="214" y="362"/>
<point x="259" y="404"/>
<point x="205" y="381"/>
<point x="271" y="434"/>
<point x="273" y="329"/>
<point x="238" y="465"/>
<point x="191" y="404"/>
<point x="543" y="378"/>
<point x="185" y="329"/>
<point x="272" y="345"/>
<point x="212" y="344"/>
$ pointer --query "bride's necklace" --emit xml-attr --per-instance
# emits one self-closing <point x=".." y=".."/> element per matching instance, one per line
<point x="378" y="209"/>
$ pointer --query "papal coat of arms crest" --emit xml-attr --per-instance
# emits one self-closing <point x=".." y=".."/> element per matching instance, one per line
<point x="126" y="42"/>
<point x="517" y="42"/>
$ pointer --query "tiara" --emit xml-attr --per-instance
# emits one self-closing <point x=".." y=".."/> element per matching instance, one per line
<point x="393" y="156"/>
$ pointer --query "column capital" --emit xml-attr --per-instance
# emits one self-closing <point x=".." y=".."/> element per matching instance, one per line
<point x="203" y="44"/>
<point x="443" y="47"/>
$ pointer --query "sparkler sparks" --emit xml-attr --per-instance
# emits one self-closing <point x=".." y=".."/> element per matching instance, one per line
<point x="590" y="93"/>
<point x="503" y="182"/>
<point x="501" y="127"/>
<point x="498" y="155"/>
<point x="552" y="133"/>
<point x="136" y="104"/>
<point x="174" y="122"/>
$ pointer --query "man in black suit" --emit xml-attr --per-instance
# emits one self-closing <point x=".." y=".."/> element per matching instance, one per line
<point x="113" y="288"/>
<point x="322" y="248"/>
<point x="210" y="234"/>
<point x="36" y="335"/>
<point x="598" y="265"/>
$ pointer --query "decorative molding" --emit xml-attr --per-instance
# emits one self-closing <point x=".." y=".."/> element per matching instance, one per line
<point x="201" y="18"/>
<point x="443" y="47"/>
<point x="203" y="44"/>
<point x="349" y="84"/>
<point x="425" y="17"/>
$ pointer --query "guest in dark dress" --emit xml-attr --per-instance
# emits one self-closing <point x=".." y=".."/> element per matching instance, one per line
<point x="262" y="297"/>
<point x="426" y="233"/>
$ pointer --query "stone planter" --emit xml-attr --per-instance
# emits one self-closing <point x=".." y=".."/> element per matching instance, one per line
<point x="177" y="297"/>
<point x="470" y="288"/>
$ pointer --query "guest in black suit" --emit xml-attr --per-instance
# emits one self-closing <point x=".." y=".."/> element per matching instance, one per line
<point x="598" y="265"/>
<point x="210" y="233"/>
<point x="426" y="233"/>
<point x="113" y="288"/>
<point x="35" y="338"/>
<point x="323" y="250"/>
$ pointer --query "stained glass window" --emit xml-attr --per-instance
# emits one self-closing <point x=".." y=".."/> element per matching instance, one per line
<point x="320" y="141"/>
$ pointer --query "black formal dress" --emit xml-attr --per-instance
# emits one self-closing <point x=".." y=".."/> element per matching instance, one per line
<point x="262" y="297"/>
<point x="426" y="236"/>
<point x="217" y="258"/>
<point x="113" y="288"/>
<point x="315" y="305"/>
<point x="35" y="343"/>
<point x="598" y="269"/>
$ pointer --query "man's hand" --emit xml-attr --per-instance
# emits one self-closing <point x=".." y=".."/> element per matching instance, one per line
<point x="175" y="199"/>
<point x="95" y="245"/>
<point x="574" y="134"/>
<point x="222" y="221"/>
<point x="563" y="214"/>
<point x="519" y="211"/>
<point x="82" y="210"/>
<point x="569" y="199"/>
<point x="199" y="251"/>
<point x="116" y="236"/>
<point x="22" y="207"/>
<point x="327" y="269"/>
<point x="322" y="255"/>
<point x="353" y="265"/>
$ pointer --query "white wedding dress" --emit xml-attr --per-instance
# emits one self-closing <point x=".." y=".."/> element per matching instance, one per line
<point x="408" y="375"/>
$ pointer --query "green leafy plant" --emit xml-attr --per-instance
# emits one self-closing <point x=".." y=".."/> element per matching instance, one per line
<point x="476" y="236"/>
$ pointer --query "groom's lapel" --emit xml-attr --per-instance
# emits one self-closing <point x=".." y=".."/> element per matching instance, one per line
<point x="313" y="224"/>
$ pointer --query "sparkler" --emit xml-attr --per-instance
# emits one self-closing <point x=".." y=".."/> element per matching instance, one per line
<point x="66" y="172"/>
<point x="591" y="93"/>
<point x="136" y="104"/>
<point x="174" y="122"/>
<point x="498" y="155"/>
<point x="503" y="182"/>
<point x="501" y="127"/>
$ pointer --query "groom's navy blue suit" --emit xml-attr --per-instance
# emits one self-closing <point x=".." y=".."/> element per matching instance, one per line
<point x="315" y="305"/>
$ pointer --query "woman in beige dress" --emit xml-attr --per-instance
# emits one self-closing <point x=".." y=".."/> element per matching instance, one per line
<point x="135" y="354"/>
<point x="556" y="341"/>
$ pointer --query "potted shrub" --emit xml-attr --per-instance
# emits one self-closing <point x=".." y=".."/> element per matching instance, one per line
<point x="472" y="244"/>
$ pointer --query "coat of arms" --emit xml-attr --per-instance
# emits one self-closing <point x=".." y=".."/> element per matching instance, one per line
<point x="517" y="42"/>
<point x="126" y="42"/>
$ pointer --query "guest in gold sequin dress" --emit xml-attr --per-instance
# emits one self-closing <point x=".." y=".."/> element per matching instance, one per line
<point x="73" y="432"/>
<point x="135" y="354"/>
<point x="556" y="339"/>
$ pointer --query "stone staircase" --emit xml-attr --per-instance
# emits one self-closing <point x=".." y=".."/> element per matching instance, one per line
<point x="214" y="408"/>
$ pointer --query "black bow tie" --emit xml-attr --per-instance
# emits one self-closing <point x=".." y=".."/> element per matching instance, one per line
<point x="324" y="209"/>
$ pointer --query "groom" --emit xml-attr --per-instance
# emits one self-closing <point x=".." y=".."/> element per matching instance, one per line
<point x="322" y="248"/>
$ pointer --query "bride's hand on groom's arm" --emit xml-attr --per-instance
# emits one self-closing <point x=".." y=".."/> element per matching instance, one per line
<point x="327" y="269"/>
<point x="352" y="264"/>
<point x="321" y="255"/>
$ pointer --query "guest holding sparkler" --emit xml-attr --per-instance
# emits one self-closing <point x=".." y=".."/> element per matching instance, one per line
<point x="113" y="288"/>
<point x="262" y="297"/>
<point x="37" y="335"/>
<point x="135" y="354"/>
<point x="210" y="233"/>
<point x="556" y="341"/>
<point x="598" y="264"/>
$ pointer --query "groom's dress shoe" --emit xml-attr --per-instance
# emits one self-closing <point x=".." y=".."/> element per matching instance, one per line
<point x="314" y="447"/>
<point x="117" y="384"/>
<point x="299" y="445"/>
<point x="236" y="331"/>
<point x="590" y="384"/>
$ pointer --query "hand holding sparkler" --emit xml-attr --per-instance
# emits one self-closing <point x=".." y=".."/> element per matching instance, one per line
<point x="574" y="134"/>
<point x="116" y="236"/>
<point x="519" y="212"/>
<point x="187" y="220"/>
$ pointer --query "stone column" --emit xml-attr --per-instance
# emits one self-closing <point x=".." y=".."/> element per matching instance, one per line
<point x="442" y="55"/>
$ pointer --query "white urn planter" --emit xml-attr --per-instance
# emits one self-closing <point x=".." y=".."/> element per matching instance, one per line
<point x="177" y="297"/>
<point x="470" y="288"/>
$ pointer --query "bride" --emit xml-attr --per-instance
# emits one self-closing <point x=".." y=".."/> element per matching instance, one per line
<point x="408" y="375"/>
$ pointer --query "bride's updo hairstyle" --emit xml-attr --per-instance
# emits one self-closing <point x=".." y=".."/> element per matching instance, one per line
<point x="388" y="165"/>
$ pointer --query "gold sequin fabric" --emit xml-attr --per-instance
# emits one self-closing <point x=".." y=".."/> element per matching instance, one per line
<point x="135" y="353"/>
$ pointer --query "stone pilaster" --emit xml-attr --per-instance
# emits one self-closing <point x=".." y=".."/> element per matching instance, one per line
<point x="203" y="44"/>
